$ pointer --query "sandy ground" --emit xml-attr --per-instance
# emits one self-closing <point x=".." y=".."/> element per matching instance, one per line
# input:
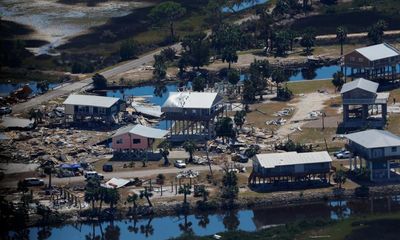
<point x="306" y="104"/>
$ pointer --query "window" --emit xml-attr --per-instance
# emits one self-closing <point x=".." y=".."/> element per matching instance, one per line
<point x="119" y="141"/>
<point x="136" y="141"/>
<point x="394" y="149"/>
<point x="360" y="59"/>
<point x="352" y="58"/>
<point x="102" y="110"/>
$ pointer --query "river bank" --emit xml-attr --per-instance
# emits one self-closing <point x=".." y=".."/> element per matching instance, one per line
<point x="165" y="208"/>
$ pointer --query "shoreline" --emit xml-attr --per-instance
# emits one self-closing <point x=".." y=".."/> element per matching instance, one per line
<point x="292" y="198"/>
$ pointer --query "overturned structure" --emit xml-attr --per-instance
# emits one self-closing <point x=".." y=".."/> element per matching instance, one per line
<point x="192" y="115"/>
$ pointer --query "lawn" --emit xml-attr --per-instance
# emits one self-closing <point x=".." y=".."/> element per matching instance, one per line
<point x="316" y="137"/>
<point x="310" y="86"/>
<point x="384" y="226"/>
<point x="262" y="112"/>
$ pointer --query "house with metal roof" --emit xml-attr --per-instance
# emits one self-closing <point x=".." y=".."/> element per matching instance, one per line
<point x="363" y="105"/>
<point x="376" y="62"/>
<point x="90" y="108"/>
<point x="380" y="150"/>
<point x="135" y="140"/>
<point x="290" y="166"/>
<point x="192" y="114"/>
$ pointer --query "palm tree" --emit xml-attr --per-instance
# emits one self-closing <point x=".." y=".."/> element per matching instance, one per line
<point x="132" y="198"/>
<point x="339" y="178"/>
<point x="185" y="190"/>
<point x="160" y="180"/>
<point x="111" y="197"/>
<point x="341" y="36"/>
<point x="146" y="194"/>
<point x="239" y="118"/>
<point x="92" y="192"/>
<point x="36" y="115"/>
<point x="165" y="146"/>
<point x="189" y="147"/>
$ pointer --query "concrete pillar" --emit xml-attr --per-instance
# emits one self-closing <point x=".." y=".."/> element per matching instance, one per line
<point x="384" y="112"/>
<point x="371" y="171"/>
<point x="350" y="163"/>
<point x="388" y="169"/>
<point x="345" y="112"/>
<point x="364" y="112"/>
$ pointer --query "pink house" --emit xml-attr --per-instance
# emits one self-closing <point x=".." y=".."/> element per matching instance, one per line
<point x="136" y="138"/>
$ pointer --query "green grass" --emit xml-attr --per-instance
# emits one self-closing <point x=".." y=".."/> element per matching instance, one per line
<point x="383" y="226"/>
<point x="310" y="86"/>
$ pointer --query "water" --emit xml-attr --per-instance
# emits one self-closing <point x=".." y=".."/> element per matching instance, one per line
<point x="56" y="22"/>
<point x="160" y="228"/>
<point x="243" y="6"/>
<point x="7" y="88"/>
<point x="324" y="72"/>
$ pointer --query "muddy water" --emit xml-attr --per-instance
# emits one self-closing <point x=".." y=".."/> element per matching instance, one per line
<point x="56" y="22"/>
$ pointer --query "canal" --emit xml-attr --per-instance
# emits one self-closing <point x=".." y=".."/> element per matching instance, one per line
<point x="160" y="228"/>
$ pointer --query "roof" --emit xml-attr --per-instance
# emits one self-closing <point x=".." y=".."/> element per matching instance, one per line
<point x="11" y="122"/>
<point x="374" y="138"/>
<point x="360" y="83"/>
<point x="272" y="160"/>
<point x="116" y="183"/>
<point x="152" y="111"/>
<point x="378" y="51"/>
<point x="190" y="100"/>
<point x="141" y="130"/>
<point x="91" y="100"/>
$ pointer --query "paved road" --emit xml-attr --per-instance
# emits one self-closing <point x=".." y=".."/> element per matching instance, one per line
<point x="76" y="86"/>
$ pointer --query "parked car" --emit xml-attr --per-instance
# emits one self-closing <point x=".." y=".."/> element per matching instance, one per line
<point x="5" y="110"/>
<point x="240" y="158"/>
<point x="108" y="167"/>
<point x="199" y="160"/>
<point x="180" y="164"/>
<point x="340" y="151"/>
<point x="93" y="174"/>
<point x="30" y="182"/>
<point x="342" y="155"/>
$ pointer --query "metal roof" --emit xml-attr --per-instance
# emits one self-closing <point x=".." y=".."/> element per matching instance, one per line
<point x="91" y="100"/>
<point x="203" y="100"/>
<point x="11" y="122"/>
<point x="272" y="160"/>
<point x="378" y="51"/>
<point x="361" y="83"/>
<point x="141" y="130"/>
<point x="374" y="138"/>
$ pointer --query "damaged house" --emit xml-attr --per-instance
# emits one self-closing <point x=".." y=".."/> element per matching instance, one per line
<point x="89" y="108"/>
<point x="191" y="115"/>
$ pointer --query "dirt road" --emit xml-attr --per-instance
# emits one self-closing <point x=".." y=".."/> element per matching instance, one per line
<point x="7" y="182"/>
<point x="308" y="103"/>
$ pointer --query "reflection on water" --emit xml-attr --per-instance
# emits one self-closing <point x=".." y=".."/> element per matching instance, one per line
<point x="243" y="6"/>
<point x="202" y="224"/>
<point x="55" y="22"/>
<point x="7" y="88"/>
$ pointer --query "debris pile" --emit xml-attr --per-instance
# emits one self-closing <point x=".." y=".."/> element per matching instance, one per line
<point x="59" y="145"/>
<point x="188" y="174"/>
